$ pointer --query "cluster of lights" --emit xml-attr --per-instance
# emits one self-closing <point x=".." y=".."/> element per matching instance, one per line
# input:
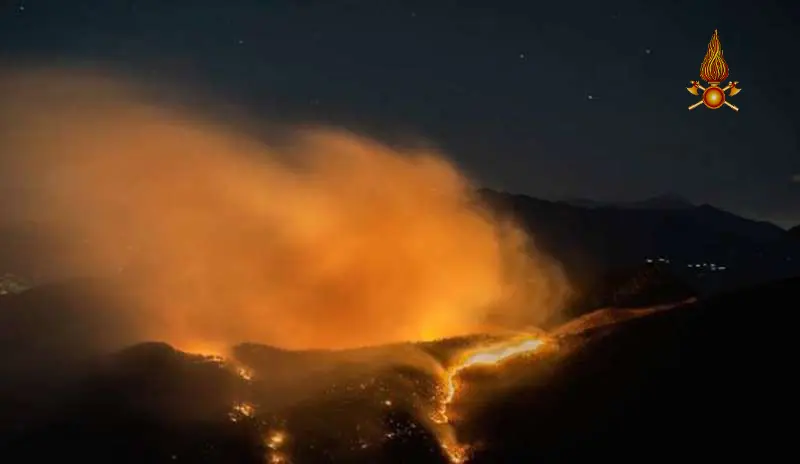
<point x="708" y="266"/>
<point x="713" y="267"/>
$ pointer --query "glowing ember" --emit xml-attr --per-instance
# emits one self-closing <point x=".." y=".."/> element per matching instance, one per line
<point x="275" y="441"/>
<point x="242" y="410"/>
<point x="491" y="355"/>
<point x="244" y="373"/>
<point x="456" y="453"/>
<point x="213" y="355"/>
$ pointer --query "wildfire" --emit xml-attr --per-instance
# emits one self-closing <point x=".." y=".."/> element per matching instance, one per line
<point x="215" y="355"/>
<point x="241" y="410"/>
<point x="244" y="373"/>
<point x="491" y="355"/>
<point x="274" y="441"/>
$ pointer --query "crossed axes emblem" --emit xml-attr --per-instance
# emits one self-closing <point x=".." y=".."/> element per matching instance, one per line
<point x="714" y="95"/>
<point x="714" y="70"/>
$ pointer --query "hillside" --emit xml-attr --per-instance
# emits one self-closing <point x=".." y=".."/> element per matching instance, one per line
<point x="668" y="383"/>
<point x="686" y="382"/>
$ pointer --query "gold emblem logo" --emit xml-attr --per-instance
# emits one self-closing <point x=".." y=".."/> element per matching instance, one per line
<point x="714" y="70"/>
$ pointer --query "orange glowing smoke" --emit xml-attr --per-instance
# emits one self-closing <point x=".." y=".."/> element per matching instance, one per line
<point x="714" y="69"/>
<point x="318" y="239"/>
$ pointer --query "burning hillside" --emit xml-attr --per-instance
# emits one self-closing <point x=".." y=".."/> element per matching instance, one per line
<point x="356" y="405"/>
<point x="268" y="405"/>
<point x="602" y="378"/>
<point x="355" y="410"/>
<point x="352" y="404"/>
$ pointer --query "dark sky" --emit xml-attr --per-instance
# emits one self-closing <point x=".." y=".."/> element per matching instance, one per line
<point x="555" y="99"/>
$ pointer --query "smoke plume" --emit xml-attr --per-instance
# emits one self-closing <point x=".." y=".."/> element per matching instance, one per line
<point x="317" y="239"/>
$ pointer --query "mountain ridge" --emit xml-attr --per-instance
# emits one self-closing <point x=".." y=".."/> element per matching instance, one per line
<point x="663" y="201"/>
<point x="714" y="248"/>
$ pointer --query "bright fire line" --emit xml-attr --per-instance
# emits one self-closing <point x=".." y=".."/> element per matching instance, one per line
<point x="491" y="355"/>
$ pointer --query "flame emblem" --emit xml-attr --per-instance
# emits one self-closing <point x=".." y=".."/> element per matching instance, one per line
<point x="714" y="69"/>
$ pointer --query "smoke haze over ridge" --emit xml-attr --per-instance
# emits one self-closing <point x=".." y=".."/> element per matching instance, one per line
<point x="324" y="240"/>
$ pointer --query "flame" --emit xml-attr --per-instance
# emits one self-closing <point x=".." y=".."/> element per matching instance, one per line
<point x="218" y="355"/>
<point x="241" y="410"/>
<point x="275" y="440"/>
<point x="491" y="355"/>
<point x="714" y="69"/>
<point x="244" y="373"/>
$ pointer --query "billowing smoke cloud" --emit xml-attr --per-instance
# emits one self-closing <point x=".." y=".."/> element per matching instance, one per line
<point x="322" y="239"/>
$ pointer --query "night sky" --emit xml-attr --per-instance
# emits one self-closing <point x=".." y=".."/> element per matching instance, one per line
<point x="553" y="99"/>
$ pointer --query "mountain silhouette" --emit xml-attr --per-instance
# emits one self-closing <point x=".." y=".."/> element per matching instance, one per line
<point x="709" y="248"/>
<point x="660" y="202"/>
<point x="649" y="284"/>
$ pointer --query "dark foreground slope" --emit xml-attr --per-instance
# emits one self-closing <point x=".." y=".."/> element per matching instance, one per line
<point x="708" y="380"/>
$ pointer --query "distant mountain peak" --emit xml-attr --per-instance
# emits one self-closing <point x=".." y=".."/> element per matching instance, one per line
<point x="663" y="201"/>
<point x="586" y="203"/>
<point x="671" y="201"/>
<point x="795" y="231"/>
